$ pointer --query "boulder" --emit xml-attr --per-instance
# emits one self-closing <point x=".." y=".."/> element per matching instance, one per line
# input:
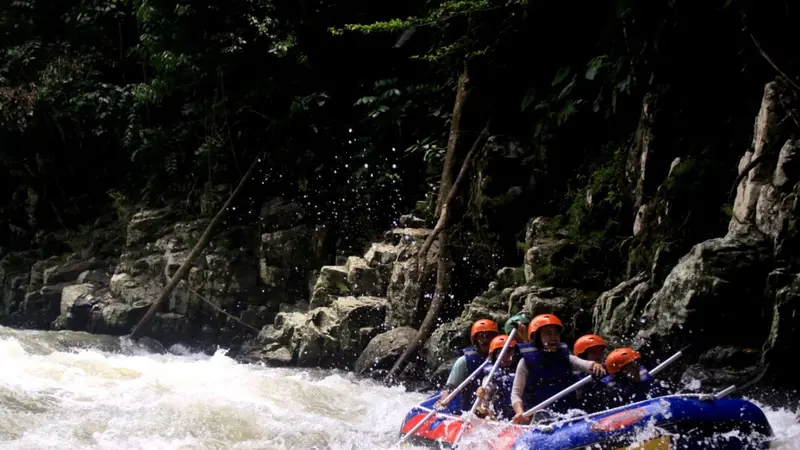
<point x="328" y="336"/>
<point x="543" y="244"/>
<point x="335" y="336"/>
<point x="709" y="297"/>
<point x="148" y="225"/>
<point x="69" y="271"/>
<point x="411" y="221"/>
<point x="381" y="254"/>
<point x="364" y="279"/>
<point x="780" y="346"/>
<point x="616" y="311"/>
<point x="332" y="282"/>
<point x="383" y="351"/>
<point x="573" y="307"/>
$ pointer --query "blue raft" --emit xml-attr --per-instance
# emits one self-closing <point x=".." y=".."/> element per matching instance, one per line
<point x="685" y="422"/>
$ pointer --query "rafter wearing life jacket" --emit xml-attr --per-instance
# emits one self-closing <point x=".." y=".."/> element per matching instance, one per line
<point x="520" y="323"/>
<point x="481" y="335"/>
<point x="496" y="396"/>
<point x="591" y="347"/>
<point x="546" y="367"/>
<point x="628" y="381"/>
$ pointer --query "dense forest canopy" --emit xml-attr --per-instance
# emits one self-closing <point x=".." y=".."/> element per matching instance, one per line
<point x="109" y="104"/>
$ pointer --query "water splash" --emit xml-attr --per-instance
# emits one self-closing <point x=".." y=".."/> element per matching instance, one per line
<point x="63" y="390"/>
<point x="58" y="395"/>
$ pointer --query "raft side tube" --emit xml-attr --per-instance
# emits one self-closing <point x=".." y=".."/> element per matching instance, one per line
<point x="683" y="421"/>
<point x="687" y="422"/>
<point x="439" y="430"/>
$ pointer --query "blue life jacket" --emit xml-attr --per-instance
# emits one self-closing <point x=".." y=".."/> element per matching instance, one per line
<point x="592" y="398"/>
<point x="548" y="374"/>
<point x="502" y="383"/>
<point x="468" y="394"/>
<point x="623" y="391"/>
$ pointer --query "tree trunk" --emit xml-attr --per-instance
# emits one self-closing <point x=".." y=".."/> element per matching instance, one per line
<point x="454" y="139"/>
<point x="443" y="271"/>
<point x="196" y="251"/>
<point x="444" y="213"/>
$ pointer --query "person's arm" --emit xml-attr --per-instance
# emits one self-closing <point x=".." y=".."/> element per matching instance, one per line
<point x="585" y="366"/>
<point x="458" y="373"/>
<point x="517" y="391"/>
<point x="485" y="395"/>
<point x="518" y="388"/>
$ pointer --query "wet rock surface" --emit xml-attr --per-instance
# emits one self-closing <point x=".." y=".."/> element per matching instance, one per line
<point x="252" y="273"/>
<point x="730" y="297"/>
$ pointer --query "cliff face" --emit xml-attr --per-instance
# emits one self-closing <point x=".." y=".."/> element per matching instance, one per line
<point x="730" y="297"/>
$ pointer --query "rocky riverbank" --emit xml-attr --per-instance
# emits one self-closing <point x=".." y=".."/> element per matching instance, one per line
<point x="733" y="297"/>
<point x="251" y="272"/>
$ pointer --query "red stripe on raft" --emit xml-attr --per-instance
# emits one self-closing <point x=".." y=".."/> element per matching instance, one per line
<point x="445" y="430"/>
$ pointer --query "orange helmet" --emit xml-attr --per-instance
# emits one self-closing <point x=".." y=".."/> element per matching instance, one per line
<point x="617" y="359"/>
<point x="542" y="320"/>
<point x="499" y="341"/>
<point x="482" y="325"/>
<point x="588" y="341"/>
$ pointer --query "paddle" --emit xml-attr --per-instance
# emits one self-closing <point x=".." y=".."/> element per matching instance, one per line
<point x="447" y="399"/>
<point x="669" y="360"/>
<point x="588" y="379"/>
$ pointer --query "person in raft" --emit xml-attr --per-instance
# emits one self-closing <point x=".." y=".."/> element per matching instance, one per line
<point x="546" y="367"/>
<point x="590" y="347"/>
<point x="520" y="322"/>
<point x="495" y="398"/>
<point x="628" y="381"/>
<point x="481" y="335"/>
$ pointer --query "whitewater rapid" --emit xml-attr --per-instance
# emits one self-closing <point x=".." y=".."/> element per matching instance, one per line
<point x="63" y="390"/>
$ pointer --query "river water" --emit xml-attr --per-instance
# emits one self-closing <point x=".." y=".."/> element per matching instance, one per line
<point x="62" y="390"/>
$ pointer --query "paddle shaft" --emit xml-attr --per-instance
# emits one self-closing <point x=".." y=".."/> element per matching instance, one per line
<point x="725" y="391"/>
<point x="667" y="362"/>
<point x="447" y="399"/>
<point x="575" y="386"/>
<point x="586" y="380"/>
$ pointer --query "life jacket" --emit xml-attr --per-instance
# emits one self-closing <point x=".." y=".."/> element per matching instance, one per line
<point x="502" y="383"/>
<point x="468" y="394"/>
<point x="623" y="391"/>
<point x="548" y="374"/>
<point x="592" y="396"/>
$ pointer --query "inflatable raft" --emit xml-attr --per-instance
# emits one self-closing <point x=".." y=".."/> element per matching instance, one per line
<point x="665" y="423"/>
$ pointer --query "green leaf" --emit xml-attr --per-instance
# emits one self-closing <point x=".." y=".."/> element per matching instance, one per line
<point x="561" y="75"/>
<point x="597" y="102"/>
<point x="366" y="100"/>
<point x="566" y="112"/>
<point x="567" y="89"/>
<point x="594" y="66"/>
<point x="530" y="96"/>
